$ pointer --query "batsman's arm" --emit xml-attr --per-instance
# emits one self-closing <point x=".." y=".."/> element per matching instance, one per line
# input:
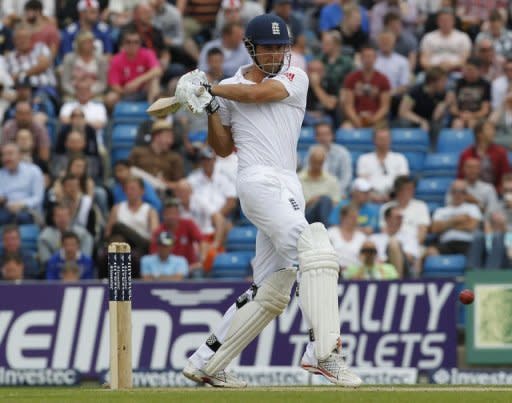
<point x="219" y="136"/>
<point x="266" y="91"/>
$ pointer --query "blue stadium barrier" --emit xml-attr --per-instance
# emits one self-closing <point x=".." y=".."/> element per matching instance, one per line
<point x="441" y="164"/>
<point x="433" y="189"/>
<point x="120" y="153"/>
<point x="444" y="266"/>
<point x="356" y="139"/>
<point x="454" y="140"/>
<point x="234" y="265"/>
<point x="241" y="239"/>
<point x="410" y="140"/>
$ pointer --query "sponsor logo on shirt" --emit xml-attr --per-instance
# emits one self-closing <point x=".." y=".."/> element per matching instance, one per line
<point x="290" y="76"/>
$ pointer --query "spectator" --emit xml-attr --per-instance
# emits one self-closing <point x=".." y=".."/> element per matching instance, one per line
<point x="88" y="20"/>
<point x="6" y="43"/>
<point x="232" y="46"/>
<point x="381" y="166"/>
<point x="22" y="190"/>
<point x="335" y="12"/>
<point x="408" y="13"/>
<point x="13" y="269"/>
<point x="121" y="175"/>
<point x="237" y="11"/>
<point x="49" y="240"/>
<point x="211" y="185"/>
<point x="491" y="65"/>
<point x="500" y="36"/>
<point x="396" y="244"/>
<point x="84" y="65"/>
<point x="215" y="61"/>
<point x="32" y="61"/>
<point x="347" y="238"/>
<point x="189" y="244"/>
<point x="24" y="120"/>
<point x="353" y="34"/>
<point x="393" y="65"/>
<point x="319" y="103"/>
<point x="502" y="119"/>
<point x="41" y="106"/>
<point x="151" y="37"/>
<point x="368" y="219"/>
<point x="133" y="219"/>
<point x="370" y="268"/>
<point x="337" y="66"/>
<point x="12" y="10"/>
<point x="446" y="47"/>
<point x="425" y="104"/>
<point x="501" y="86"/>
<point x="406" y="43"/>
<point x="474" y="12"/>
<point x="470" y="101"/>
<point x="493" y="157"/>
<point x="134" y="72"/>
<point x="168" y="19"/>
<point x="455" y="223"/>
<point x="157" y="159"/>
<point x="414" y="212"/>
<point x="95" y="112"/>
<point x="366" y="93"/>
<point x="70" y="272"/>
<point x="78" y="123"/>
<point x="480" y="193"/>
<point x="43" y="29"/>
<point x="120" y="12"/>
<point x="338" y="161"/>
<point x="28" y="152"/>
<point x="69" y="254"/>
<point x="11" y="241"/>
<point x="80" y="204"/>
<point x="321" y="189"/>
<point x="212" y="223"/>
<point x="164" y="265"/>
<point x="7" y="93"/>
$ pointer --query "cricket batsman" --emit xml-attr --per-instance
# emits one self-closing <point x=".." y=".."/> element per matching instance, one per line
<point x="260" y="111"/>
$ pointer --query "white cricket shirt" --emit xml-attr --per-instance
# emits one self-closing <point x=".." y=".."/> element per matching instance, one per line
<point x="267" y="133"/>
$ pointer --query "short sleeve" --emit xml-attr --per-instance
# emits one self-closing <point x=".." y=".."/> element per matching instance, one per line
<point x="296" y="83"/>
<point x="181" y="266"/>
<point x="145" y="266"/>
<point x="350" y="81"/>
<point x="151" y="59"/>
<point x="114" y="73"/>
<point x="224" y="112"/>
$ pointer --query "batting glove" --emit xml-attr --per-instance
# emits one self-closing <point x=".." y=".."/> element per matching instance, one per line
<point x="213" y="106"/>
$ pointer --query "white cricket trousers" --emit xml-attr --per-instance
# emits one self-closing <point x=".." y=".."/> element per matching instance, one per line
<point x="272" y="199"/>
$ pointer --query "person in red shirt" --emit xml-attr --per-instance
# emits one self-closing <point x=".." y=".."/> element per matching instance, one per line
<point x="493" y="157"/>
<point x="43" y="30"/>
<point x="134" y="73"/>
<point x="189" y="241"/>
<point x="366" y="93"/>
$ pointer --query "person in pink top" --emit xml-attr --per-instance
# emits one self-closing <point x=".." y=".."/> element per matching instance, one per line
<point x="134" y="72"/>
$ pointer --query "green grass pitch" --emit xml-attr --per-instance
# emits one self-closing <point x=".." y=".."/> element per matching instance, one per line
<point x="368" y="394"/>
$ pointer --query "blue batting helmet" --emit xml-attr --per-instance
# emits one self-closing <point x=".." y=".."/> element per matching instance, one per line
<point x="267" y="29"/>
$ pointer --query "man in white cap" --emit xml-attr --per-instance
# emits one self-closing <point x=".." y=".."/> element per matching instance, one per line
<point x="237" y="10"/>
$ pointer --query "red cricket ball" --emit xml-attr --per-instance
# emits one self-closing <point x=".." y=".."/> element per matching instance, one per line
<point x="466" y="297"/>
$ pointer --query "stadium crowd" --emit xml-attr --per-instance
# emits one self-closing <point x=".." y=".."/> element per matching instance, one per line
<point x="403" y="155"/>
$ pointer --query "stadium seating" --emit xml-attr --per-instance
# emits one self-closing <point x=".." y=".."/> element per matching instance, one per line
<point x="197" y="137"/>
<point x="232" y="265"/>
<point x="130" y="112"/>
<point x="241" y="239"/>
<point x="415" y="159"/>
<point x="444" y="266"/>
<point x="454" y="141"/>
<point x="124" y="135"/>
<point x="356" y="139"/>
<point x="410" y="140"/>
<point x="306" y="138"/>
<point x="120" y="153"/>
<point x="441" y="164"/>
<point x="433" y="189"/>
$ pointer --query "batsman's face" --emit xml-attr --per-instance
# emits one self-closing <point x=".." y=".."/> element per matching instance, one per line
<point x="271" y="57"/>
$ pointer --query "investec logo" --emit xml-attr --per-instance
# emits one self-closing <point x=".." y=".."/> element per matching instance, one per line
<point x="77" y="336"/>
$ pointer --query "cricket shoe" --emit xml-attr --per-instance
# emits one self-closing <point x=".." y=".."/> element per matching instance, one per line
<point x="221" y="379"/>
<point x="335" y="370"/>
